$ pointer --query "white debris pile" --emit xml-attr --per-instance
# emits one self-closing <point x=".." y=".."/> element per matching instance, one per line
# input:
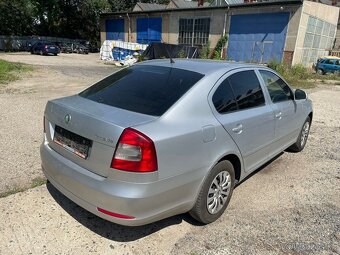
<point x="123" y="53"/>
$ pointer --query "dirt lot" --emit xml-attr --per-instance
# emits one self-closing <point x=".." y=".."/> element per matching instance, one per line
<point x="291" y="206"/>
<point x="22" y="105"/>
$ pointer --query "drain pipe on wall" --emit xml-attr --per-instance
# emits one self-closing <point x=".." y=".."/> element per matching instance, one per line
<point x="226" y="15"/>
<point x="129" y="31"/>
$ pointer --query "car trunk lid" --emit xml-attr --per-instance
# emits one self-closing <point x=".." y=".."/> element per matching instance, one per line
<point x="86" y="132"/>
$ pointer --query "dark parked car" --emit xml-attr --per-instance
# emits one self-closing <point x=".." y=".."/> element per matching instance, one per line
<point x="45" y="48"/>
<point x="93" y="48"/>
<point x="80" y="49"/>
<point x="66" y="48"/>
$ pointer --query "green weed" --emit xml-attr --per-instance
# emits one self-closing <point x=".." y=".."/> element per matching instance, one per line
<point x="11" y="71"/>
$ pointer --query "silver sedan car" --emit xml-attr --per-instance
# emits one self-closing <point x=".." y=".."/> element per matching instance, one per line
<point x="160" y="138"/>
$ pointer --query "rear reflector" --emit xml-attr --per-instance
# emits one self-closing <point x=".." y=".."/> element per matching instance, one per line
<point x="116" y="215"/>
<point x="135" y="152"/>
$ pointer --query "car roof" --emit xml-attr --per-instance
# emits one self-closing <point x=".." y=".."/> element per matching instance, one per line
<point x="205" y="67"/>
<point x="330" y="57"/>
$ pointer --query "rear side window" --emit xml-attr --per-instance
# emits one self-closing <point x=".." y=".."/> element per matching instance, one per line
<point x="247" y="89"/>
<point x="223" y="98"/>
<point x="150" y="90"/>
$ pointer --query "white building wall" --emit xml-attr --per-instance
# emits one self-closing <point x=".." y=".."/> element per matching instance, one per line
<point x="316" y="34"/>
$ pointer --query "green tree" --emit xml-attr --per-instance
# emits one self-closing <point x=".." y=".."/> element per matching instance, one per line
<point x="122" y="5"/>
<point x="90" y="15"/>
<point x="16" y="17"/>
<point x="60" y="18"/>
<point x="46" y="17"/>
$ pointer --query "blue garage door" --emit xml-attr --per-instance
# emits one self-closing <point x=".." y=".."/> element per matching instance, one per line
<point x="149" y="30"/>
<point x="257" y="37"/>
<point x="114" y="29"/>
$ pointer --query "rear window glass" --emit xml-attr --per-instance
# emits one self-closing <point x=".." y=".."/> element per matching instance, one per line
<point x="150" y="90"/>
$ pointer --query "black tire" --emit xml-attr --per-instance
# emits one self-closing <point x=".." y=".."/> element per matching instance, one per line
<point x="200" y="210"/>
<point x="320" y="71"/>
<point x="299" y="145"/>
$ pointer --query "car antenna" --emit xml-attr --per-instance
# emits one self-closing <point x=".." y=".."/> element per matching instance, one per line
<point x="169" y="55"/>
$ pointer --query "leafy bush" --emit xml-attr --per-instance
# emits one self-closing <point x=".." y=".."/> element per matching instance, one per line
<point x="219" y="47"/>
<point x="205" y="51"/>
<point x="297" y="75"/>
<point x="181" y="54"/>
<point x="300" y="71"/>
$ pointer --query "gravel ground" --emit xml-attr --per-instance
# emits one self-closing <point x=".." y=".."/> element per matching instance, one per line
<point x="22" y="105"/>
<point x="290" y="206"/>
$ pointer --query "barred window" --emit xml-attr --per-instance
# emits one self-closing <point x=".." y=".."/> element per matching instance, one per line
<point x="194" y="31"/>
<point x="318" y="41"/>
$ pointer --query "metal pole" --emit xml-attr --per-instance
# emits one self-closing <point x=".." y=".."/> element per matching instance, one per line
<point x="129" y="29"/>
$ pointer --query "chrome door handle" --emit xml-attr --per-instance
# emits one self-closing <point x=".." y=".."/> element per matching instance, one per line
<point x="278" y="115"/>
<point x="238" y="129"/>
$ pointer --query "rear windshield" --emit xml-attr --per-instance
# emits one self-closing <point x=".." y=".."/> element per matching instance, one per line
<point x="150" y="90"/>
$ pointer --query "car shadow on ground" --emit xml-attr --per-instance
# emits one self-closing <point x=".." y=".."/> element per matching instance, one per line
<point x="111" y="230"/>
<point x="120" y="233"/>
<point x="266" y="168"/>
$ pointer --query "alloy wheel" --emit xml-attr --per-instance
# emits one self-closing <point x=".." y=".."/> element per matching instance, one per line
<point x="218" y="192"/>
<point x="304" y="133"/>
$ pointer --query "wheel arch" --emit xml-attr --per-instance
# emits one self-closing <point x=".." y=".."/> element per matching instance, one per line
<point x="310" y="115"/>
<point x="236" y="162"/>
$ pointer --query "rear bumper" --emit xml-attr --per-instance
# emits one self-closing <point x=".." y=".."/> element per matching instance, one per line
<point x="49" y="51"/>
<point x="146" y="202"/>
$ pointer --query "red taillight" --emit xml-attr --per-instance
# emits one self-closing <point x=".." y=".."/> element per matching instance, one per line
<point x="135" y="152"/>
<point x="117" y="215"/>
<point x="46" y="46"/>
<point x="44" y="124"/>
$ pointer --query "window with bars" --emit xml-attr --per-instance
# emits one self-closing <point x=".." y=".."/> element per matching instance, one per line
<point x="318" y="41"/>
<point x="194" y="31"/>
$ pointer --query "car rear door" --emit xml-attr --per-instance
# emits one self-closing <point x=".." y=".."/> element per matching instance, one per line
<point x="337" y="66"/>
<point x="287" y="119"/>
<point x="239" y="104"/>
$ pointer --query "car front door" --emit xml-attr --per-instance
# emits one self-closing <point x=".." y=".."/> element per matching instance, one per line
<point x="239" y="105"/>
<point x="329" y="65"/>
<point x="286" y="110"/>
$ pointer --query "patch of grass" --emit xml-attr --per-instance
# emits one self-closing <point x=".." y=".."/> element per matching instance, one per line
<point x="36" y="182"/>
<point x="301" y="77"/>
<point x="10" y="71"/>
<point x="11" y="192"/>
<point x="297" y="76"/>
<point x="332" y="76"/>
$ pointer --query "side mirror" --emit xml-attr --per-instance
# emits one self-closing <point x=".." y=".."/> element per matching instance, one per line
<point x="300" y="95"/>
